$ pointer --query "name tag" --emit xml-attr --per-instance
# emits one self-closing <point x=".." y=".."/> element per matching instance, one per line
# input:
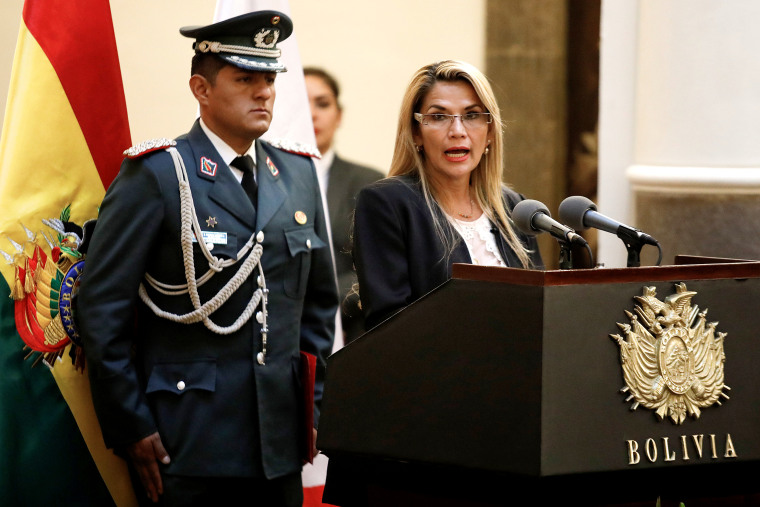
<point x="213" y="237"/>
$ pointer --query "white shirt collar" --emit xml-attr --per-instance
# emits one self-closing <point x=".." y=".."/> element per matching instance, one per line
<point x="323" y="167"/>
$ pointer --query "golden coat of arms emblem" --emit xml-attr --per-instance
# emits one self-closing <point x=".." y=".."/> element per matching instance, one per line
<point x="672" y="358"/>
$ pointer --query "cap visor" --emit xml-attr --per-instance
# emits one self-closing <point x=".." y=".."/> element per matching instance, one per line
<point x="253" y="63"/>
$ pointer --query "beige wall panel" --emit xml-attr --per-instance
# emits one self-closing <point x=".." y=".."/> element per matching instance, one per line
<point x="373" y="48"/>
<point x="155" y="63"/>
<point x="10" y="20"/>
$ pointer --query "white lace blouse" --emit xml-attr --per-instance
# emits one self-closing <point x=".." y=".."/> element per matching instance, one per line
<point x="480" y="241"/>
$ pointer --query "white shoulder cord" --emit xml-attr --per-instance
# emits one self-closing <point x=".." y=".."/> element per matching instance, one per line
<point x="189" y="224"/>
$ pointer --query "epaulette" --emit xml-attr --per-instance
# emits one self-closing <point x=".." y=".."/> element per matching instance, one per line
<point x="149" y="146"/>
<point x="295" y="147"/>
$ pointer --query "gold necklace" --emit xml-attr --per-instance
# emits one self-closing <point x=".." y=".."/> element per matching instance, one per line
<point x="465" y="215"/>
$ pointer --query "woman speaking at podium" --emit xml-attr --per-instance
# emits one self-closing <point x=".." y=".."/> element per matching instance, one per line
<point x="444" y="201"/>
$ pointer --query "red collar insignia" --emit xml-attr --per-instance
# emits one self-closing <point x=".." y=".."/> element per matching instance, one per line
<point x="208" y="167"/>
<point x="272" y="168"/>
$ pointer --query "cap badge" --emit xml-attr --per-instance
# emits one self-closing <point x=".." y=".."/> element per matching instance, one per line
<point x="275" y="20"/>
<point x="272" y="169"/>
<point x="300" y="217"/>
<point x="208" y="167"/>
<point x="211" y="222"/>
<point x="266" y="38"/>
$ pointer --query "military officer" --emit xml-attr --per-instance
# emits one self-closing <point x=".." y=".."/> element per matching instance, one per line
<point x="208" y="274"/>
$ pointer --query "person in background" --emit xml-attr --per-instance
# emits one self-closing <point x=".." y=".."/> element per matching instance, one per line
<point x="341" y="180"/>
<point x="209" y="273"/>
<point x="444" y="201"/>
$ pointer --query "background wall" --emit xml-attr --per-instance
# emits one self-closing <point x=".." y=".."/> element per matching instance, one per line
<point x="372" y="48"/>
<point x="679" y="123"/>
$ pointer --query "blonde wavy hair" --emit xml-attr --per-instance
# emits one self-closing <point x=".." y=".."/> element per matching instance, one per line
<point x="485" y="178"/>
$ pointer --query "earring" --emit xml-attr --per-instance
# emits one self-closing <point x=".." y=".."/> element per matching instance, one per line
<point x="419" y="147"/>
<point x="486" y="151"/>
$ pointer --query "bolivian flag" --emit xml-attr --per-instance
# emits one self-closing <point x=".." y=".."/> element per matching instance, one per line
<point x="64" y="129"/>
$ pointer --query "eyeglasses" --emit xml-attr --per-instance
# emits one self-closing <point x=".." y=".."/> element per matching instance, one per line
<point x="439" y="121"/>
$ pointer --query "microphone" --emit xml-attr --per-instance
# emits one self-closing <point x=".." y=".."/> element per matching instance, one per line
<point x="532" y="218"/>
<point x="580" y="213"/>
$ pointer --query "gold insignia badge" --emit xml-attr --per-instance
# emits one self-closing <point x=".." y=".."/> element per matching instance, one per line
<point x="300" y="217"/>
<point x="671" y="357"/>
<point x="211" y="222"/>
<point x="275" y="20"/>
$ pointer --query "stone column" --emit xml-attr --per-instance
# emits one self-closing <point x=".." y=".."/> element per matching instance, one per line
<point x="526" y="43"/>
<point x="694" y="172"/>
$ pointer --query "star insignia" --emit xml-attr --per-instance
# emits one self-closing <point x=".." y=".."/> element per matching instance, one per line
<point x="211" y="222"/>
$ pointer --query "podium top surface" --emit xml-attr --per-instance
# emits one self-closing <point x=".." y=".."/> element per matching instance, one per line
<point x="686" y="268"/>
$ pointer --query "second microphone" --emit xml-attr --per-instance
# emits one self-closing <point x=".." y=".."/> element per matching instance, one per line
<point x="532" y="217"/>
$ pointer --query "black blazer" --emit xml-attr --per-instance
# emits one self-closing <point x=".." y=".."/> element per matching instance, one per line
<point x="398" y="255"/>
<point x="344" y="182"/>
<point x="218" y="411"/>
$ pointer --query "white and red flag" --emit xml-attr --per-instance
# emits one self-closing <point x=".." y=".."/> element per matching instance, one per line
<point x="292" y="121"/>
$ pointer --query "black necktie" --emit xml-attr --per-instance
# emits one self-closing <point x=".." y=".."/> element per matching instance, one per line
<point x="245" y="164"/>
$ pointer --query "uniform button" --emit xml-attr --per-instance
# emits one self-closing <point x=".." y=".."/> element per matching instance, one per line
<point x="181" y="385"/>
<point x="308" y="244"/>
<point x="260" y="237"/>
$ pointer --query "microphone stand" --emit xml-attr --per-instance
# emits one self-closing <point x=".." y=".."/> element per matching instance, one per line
<point x="565" y="254"/>
<point x="633" y="243"/>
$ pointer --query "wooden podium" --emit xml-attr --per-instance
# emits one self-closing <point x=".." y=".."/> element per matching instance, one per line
<point x="504" y="386"/>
